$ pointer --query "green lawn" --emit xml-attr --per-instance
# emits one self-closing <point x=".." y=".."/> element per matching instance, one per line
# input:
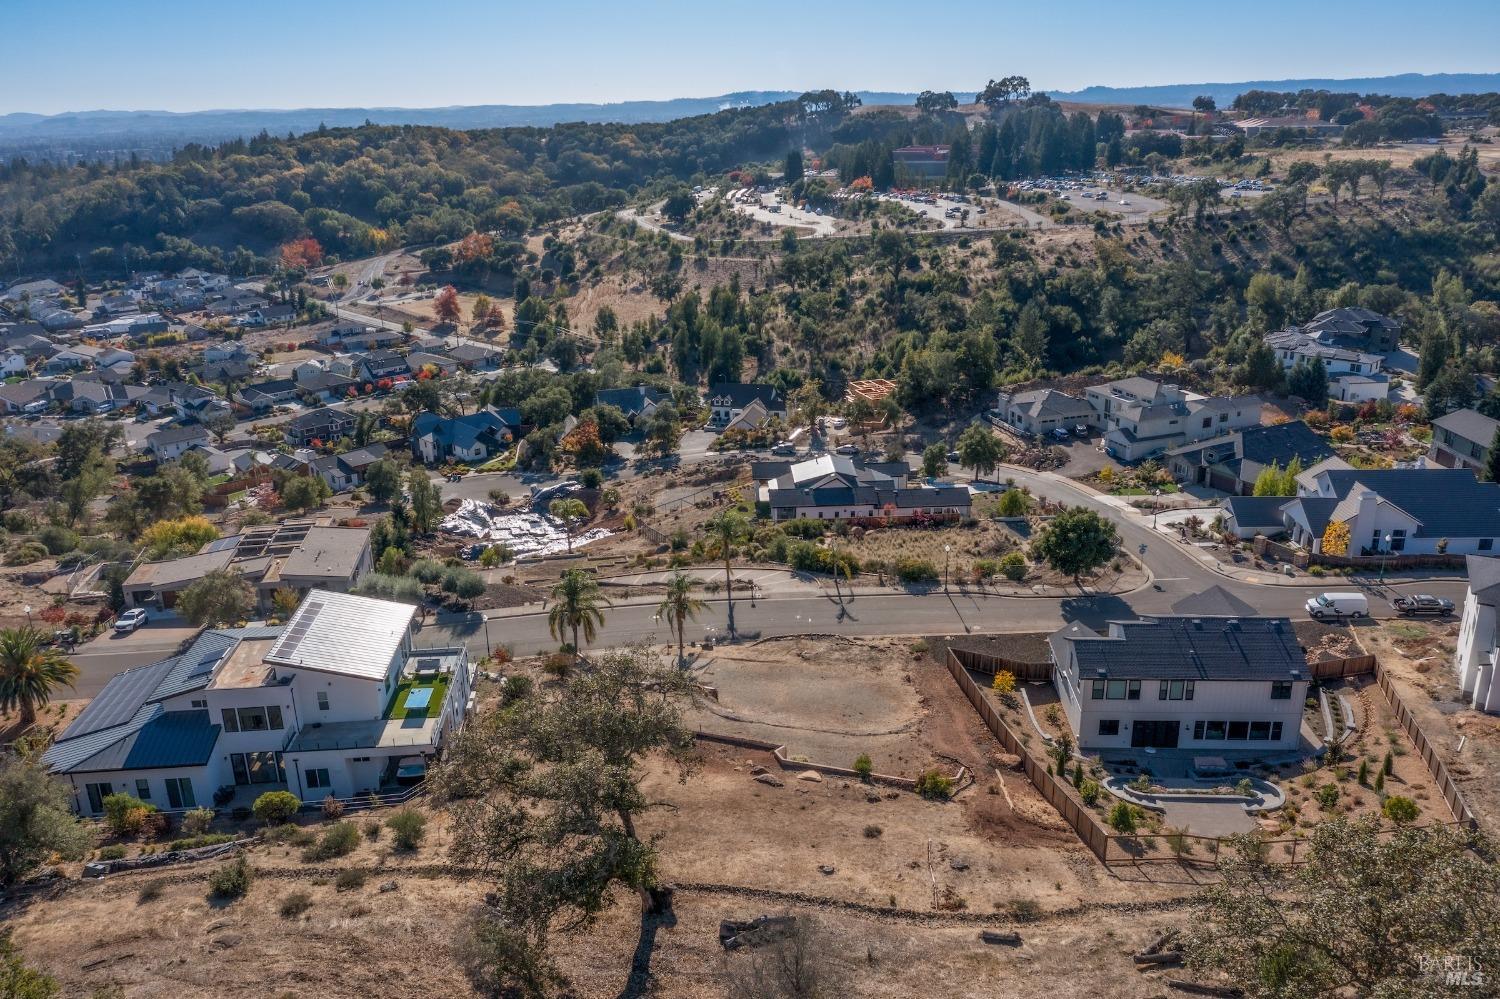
<point x="1169" y="487"/>
<point x="439" y="685"/>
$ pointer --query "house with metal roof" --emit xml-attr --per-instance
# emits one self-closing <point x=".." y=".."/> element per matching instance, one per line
<point x="1412" y="511"/>
<point x="1477" y="657"/>
<point x="341" y="701"/>
<point x="1202" y="683"/>
<point x="169" y="443"/>
<point x="1462" y="439"/>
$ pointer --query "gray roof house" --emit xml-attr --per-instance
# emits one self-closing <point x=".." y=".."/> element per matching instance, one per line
<point x="728" y="400"/>
<point x="1462" y="439"/>
<point x="1041" y="411"/>
<point x="1417" y="511"/>
<point x="1141" y="417"/>
<point x="635" y="402"/>
<point x="833" y="487"/>
<point x="1188" y="682"/>
<point x="170" y="442"/>
<point x="1233" y="462"/>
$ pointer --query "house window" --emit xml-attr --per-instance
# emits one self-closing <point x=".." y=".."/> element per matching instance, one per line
<point x="1260" y="731"/>
<point x="1109" y="726"/>
<point x="1375" y="541"/>
<point x="1134" y="693"/>
<point x="1486" y="544"/>
<point x="1197" y="730"/>
<point x="1281" y="690"/>
<point x="231" y="720"/>
<point x="318" y="778"/>
<point x="143" y="789"/>
<point x="1187" y="690"/>
<point x="1213" y="730"/>
<point x="199" y="704"/>
<point x="97" y="793"/>
<point x="1398" y="540"/>
<point x="1276" y="731"/>
<point x="1098" y="690"/>
<point x="180" y="793"/>
<point x="1116" y="690"/>
<point x="1208" y="421"/>
<point x="1239" y="730"/>
<point x="253" y="720"/>
<point x="322" y="700"/>
<point x="1161" y="691"/>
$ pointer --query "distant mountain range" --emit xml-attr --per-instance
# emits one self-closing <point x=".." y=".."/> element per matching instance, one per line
<point x="101" y="133"/>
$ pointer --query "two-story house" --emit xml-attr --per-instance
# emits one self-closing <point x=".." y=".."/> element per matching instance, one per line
<point x="1477" y="657"/>
<point x="1462" y="439"/>
<point x="318" y="425"/>
<point x="1220" y="683"/>
<point x="170" y="443"/>
<point x="338" y="703"/>
<point x="478" y="436"/>
<point x="727" y="401"/>
<point x="1141" y="417"/>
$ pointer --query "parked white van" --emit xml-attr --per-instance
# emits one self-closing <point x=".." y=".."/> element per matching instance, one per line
<point x="1338" y="605"/>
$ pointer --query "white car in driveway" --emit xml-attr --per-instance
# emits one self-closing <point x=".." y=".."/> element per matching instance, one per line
<point x="130" y="620"/>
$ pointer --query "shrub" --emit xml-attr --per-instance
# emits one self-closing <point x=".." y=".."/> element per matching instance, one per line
<point x="1013" y="566"/>
<point x="126" y="815"/>
<point x="863" y="766"/>
<point x="115" y="852"/>
<point x="1328" y="796"/>
<point x="338" y="840"/>
<point x="1400" y="809"/>
<point x="232" y="880"/>
<point x="57" y="540"/>
<point x="408" y="826"/>
<point x="295" y="904"/>
<point x="194" y="842"/>
<point x="276" y="807"/>
<point x="350" y="880"/>
<point x="1364" y="773"/>
<point x="873" y="832"/>
<point x="932" y="784"/>
<point x="1124" y="817"/>
<point x="915" y="570"/>
<point x="372" y="830"/>
<point x="333" y="808"/>
<point x="1078" y="775"/>
<point x="1388" y="763"/>
<point x="1024" y="910"/>
<point x="198" y="821"/>
<point x="427" y="570"/>
<point x="1089" y="791"/>
<point x="151" y="890"/>
<point x="1004" y="682"/>
<point x="291" y="835"/>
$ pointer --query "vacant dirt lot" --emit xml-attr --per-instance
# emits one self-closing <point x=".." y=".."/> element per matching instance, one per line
<point x="399" y="944"/>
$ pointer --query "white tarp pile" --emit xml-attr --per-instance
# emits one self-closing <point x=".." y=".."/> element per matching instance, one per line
<point x="525" y="533"/>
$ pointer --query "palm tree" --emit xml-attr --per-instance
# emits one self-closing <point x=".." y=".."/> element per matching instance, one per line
<point x="30" y="671"/>
<point x="679" y="605"/>
<point x="577" y="606"/>
<point x="726" y="527"/>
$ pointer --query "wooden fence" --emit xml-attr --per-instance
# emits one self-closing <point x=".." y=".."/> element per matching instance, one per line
<point x="1083" y="822"/>
<point x="983" y="662"/>
<point x="1115" y="848"/>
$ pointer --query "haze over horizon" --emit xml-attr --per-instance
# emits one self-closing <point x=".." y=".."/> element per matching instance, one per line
<point x="172" y="55"/>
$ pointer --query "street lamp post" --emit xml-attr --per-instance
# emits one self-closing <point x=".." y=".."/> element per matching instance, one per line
<point x="1155" y="506"/>
<point x="946" y="550"/>
<point x="1385" y="554"/>
<point x="27" y="611"/>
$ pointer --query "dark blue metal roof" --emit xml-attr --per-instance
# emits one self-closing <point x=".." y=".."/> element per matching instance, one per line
<point x="1200" y="648"/>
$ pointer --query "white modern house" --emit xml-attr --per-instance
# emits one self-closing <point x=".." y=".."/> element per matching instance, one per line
<point x="1354" y="374"/>
<point x="339" y="702"/>
<point x="1478" y="654"/>
<point x="1205" y="683"/>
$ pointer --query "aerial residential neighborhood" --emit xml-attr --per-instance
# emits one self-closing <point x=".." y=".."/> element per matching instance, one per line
<point x="484" y="532"/>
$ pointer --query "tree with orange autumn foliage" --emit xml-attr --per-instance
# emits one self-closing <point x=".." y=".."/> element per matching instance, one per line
<point x="861" y="184"/>
<point x="301" y="254"/>
<point x="584" y="443"/>
<point x="446" y="305"/>
<point x="474" y="251"/>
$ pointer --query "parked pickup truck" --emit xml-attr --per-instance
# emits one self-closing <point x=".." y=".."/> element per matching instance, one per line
<point x="1421" y="604"/>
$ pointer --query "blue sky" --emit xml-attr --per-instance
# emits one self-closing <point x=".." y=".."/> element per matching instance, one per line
<point x="69" y="55"/>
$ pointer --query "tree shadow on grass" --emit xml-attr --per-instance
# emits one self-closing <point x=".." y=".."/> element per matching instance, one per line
<point x="638" y="985"/>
